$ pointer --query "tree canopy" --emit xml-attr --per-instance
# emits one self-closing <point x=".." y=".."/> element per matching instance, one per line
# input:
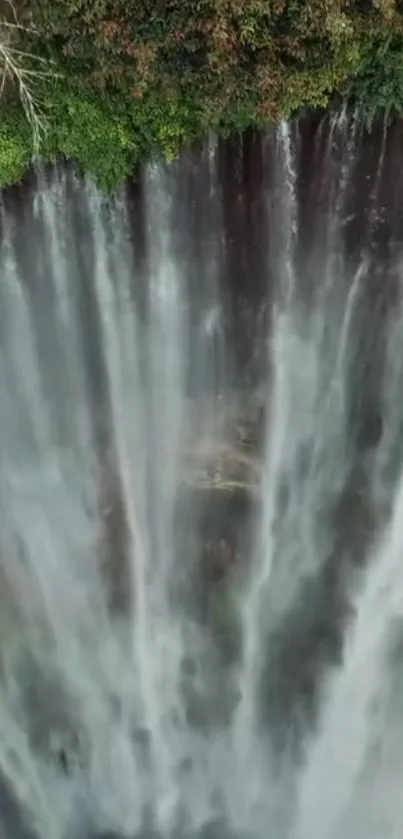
<point x="109" y="82"/>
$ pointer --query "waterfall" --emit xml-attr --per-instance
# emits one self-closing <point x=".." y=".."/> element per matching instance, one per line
<point x="201" y="494"/>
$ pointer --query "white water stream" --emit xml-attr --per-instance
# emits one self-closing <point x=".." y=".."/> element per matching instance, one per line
<point x="119" y="715"/>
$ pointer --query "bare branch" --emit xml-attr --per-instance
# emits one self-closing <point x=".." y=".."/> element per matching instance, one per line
<point x="13" y="11"/>
<point x="23" y="69"/>
<point x="6" y="24"/>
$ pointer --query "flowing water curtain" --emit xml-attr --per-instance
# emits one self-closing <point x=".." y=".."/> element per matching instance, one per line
<point x="47" y="535"/>
<point x="88" y="654"/>
<point x="307" y="451"/>
<point x="353" y="707"/>
<point x="389" y="455"/>
<point x="117" y="677"/>
<point x="347" y="784"/>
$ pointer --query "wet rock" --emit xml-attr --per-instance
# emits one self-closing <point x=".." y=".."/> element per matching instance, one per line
<point x="108" y="835"/>
<point x="222" y="466"/>
<point x="51" y="716"/>
<point x="113" y="539"/>
<point x="229" y="456"/>
<point x="14" y="823"/>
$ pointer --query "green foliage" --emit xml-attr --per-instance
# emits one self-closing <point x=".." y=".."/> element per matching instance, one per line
<point x="15" y="146"/>
<point x="378" y="87"/>
<point x="93" y="132"/>
<point x="142" y="77"/>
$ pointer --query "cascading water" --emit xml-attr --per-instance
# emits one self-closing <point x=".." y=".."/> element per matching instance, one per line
<point x="199" y="630"/>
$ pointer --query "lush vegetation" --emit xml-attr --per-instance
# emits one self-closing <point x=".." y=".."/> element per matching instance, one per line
<point x="108" y="82"/>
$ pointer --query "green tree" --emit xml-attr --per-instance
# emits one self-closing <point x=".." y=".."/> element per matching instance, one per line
<point x="132" y="78"/>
